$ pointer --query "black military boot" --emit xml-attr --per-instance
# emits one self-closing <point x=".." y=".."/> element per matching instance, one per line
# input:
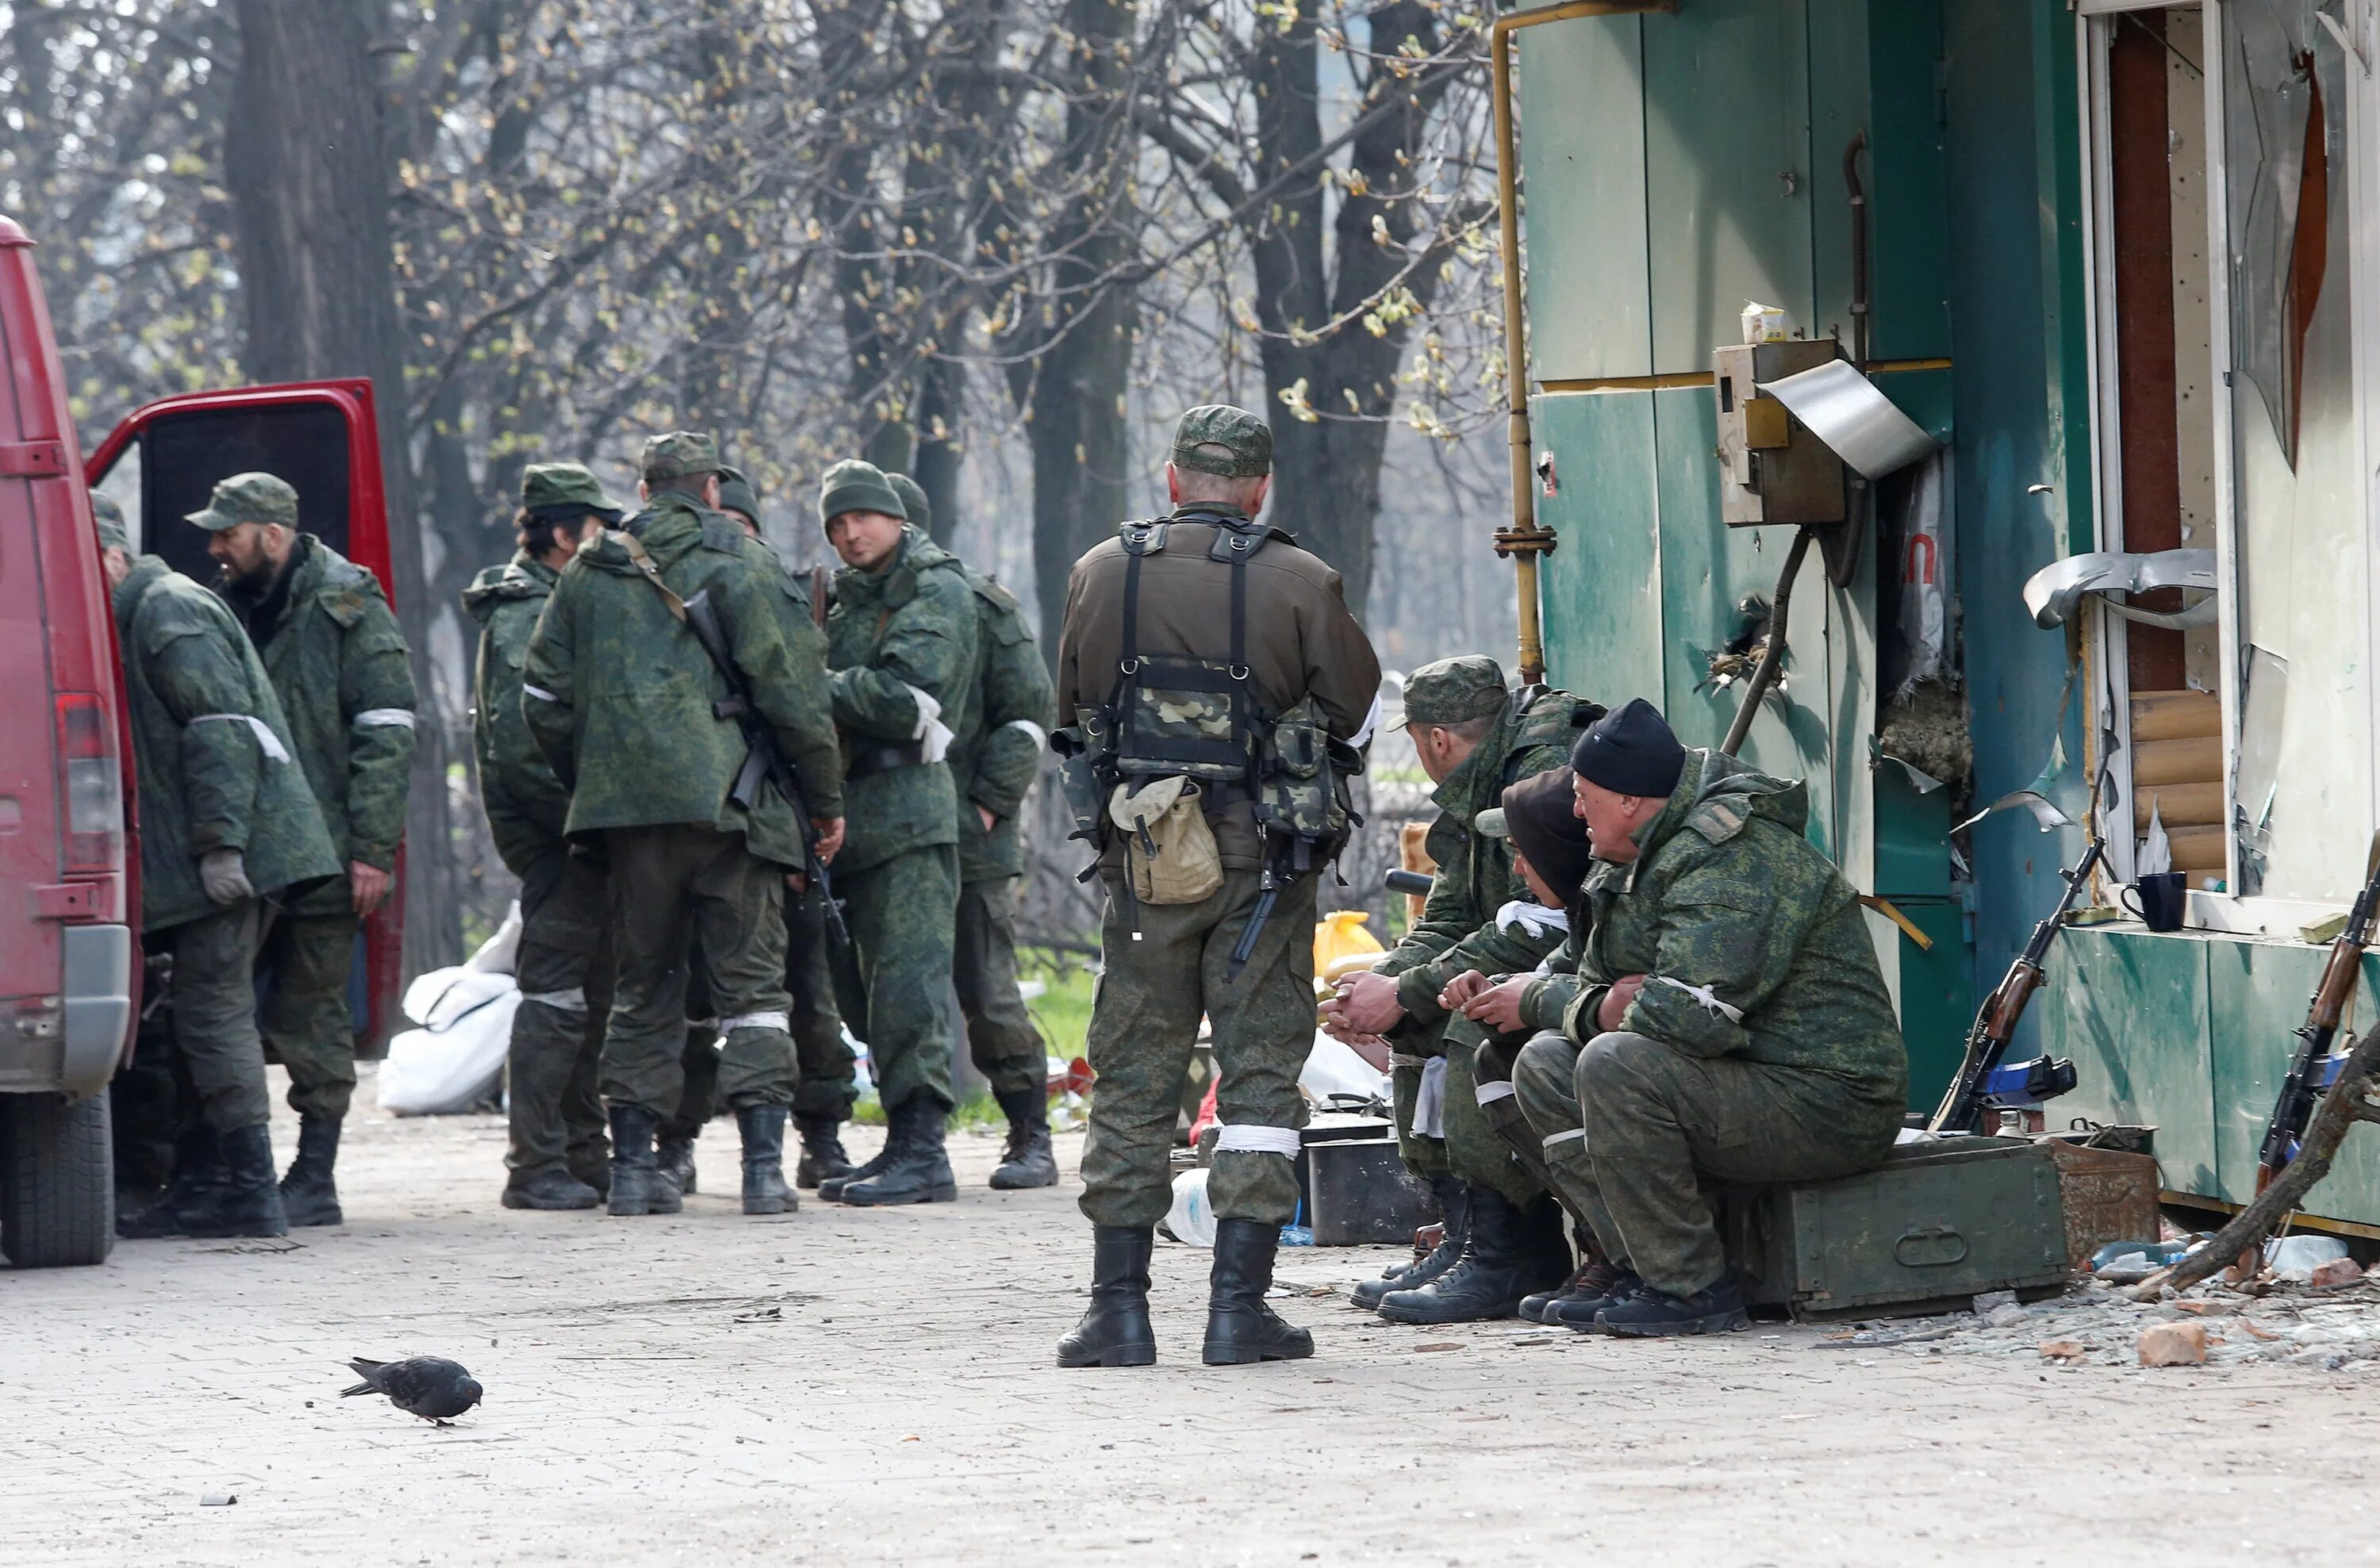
<point x="638" y="1186"/>
<point x="188" y="1191"/>
<point x="1600" y="1285"/>
<point x="592" y="1166"/>
<point x="674" y="1156"/>
<point x="1029" y="1161"/>
<point x="309" y="1193"/>
<point x="1115" y="1332"/>
<point x="895" y="1134"/>
<point x="248" y="1201"/>
<point x="1593" y="1276"/>
<point x="1504" y="1258"/>
<point x="1240" y="1327"/>
<point x="823" y="1158"/>
<point x="920" y="1171"/>
<point x="1454" y="1214"/>
<point x="765" y="1192"/>
<point x="550" y="1188"/>
<point x="1654" y="1314"/>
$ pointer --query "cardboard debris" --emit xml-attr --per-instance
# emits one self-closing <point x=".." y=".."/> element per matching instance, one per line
<point x="2173" y="1345"/>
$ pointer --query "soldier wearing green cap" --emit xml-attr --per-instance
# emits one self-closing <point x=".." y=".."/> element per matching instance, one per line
<point x="556" y="1157"/>
<point x="625" y="704"/>
<point x="1503" y="1237"/>
<point x="227" y="821"/>
<point x="331" y="642"/>
<point x="1204" y="650"/>
<point x="902" y="638"/>
<point x="993" y="760"/>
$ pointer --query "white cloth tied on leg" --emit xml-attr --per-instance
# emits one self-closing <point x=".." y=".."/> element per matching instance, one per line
<point x="1493" y="1090"/>
<point x="384" y="718"/>
<point x="1430" y="1100"/>
<point x="1248" y="1137"/>
<point x="571" y="1001"/>
<point x="1577" y="1132"/>
<point x="1706" y="995"/>
<point x="265" y="738"/>
<point x="780" y="1021"/>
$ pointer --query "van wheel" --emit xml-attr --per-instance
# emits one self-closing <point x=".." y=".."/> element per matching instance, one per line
<point x="58" y="1180"/>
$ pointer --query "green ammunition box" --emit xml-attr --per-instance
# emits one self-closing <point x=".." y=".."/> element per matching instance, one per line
<point x="1934" y="1226"/>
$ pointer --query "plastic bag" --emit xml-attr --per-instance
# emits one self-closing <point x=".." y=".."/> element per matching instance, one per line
<point x="1191" y="1220"/>
<point x="448" y="1064"/>
<point x="1334" y="1069"/>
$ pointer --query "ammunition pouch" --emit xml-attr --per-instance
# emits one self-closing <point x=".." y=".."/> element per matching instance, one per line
<point x="1301" y="786"/>
<point x="1169" y="851"/>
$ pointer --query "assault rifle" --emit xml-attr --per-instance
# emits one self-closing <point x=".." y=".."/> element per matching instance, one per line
<point x="1981" y="1076"/>
<point x="2314" y="1068"/>
<point x="763" y="759"/>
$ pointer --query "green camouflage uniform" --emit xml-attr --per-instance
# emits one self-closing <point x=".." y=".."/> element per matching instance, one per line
<point x="331" y="642"/>
<point x="993" y="761"/>
<point x="906" y="633"/>
<point x="1764" y="1047"/>
<point x="1460" y="930"/>
<point x="203" y="711"/>
<point x="619" y="697"/>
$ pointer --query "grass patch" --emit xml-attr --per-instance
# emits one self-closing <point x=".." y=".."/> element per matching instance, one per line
<point x="978" y="1111"/>
<point x="1063" y="1009"/>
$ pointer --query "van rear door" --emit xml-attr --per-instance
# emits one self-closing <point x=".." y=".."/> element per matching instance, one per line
<point x="164" y="462"/>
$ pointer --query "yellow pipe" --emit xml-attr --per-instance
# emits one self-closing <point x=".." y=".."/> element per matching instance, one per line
<point x="1525" y="541"/>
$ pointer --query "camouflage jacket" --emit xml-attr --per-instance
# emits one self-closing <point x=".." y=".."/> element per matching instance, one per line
<point x="1458" y="929"/>
<point x="1753" y="942"/>
<point x="208" y="780"/>
<point x="527" y="805"/>
<point x="617" y="694"/>
<point x="338" y="664"/>
<point x="894" y="637"/>
<point x="994" y="758"/>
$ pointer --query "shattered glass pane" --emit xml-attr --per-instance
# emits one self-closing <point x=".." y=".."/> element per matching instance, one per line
<point x="2264" y="699"/>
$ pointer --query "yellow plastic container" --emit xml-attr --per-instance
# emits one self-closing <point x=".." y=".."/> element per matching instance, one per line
<point x="1342" y="944"/>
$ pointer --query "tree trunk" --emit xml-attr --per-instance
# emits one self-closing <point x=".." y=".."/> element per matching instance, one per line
<point x="303" y="158"/>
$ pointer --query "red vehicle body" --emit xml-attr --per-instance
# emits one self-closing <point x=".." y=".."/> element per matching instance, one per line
<point x="70" y="848"/>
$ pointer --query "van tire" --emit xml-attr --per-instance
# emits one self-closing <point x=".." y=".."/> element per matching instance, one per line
<point x="58" y="1180"/>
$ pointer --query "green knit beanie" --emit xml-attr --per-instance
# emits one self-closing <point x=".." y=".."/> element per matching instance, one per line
<point x="853" y="485"/>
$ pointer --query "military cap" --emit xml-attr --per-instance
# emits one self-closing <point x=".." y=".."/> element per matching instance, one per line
<point x="736" y="494"/>
<point x="914" y="504"/>
<point x="1452" y="691"/>
<point x="678" y="455"/>
<point x="564" y="487"/>
<point x="1631" y="752"/>
<point x="856" y="486"/>
<point x="1217" y="439"/>
<point x="248" y="498"/>
<point x="107" y="518"/>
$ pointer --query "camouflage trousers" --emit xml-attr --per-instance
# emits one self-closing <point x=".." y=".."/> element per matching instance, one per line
<point x="1472" y="1148"/>
<point x="307" y="1024"/>
<point x="214" y="1013"/>
<point x="563" y="968"/>
<point x="829" y="1077"/>
<point x="892" y="978"/>
<point x="1144" y="1023"/>
<point x="1001" y="1040"/>
<point x="669" y="886"/>
<point x="1636" y="1132"/>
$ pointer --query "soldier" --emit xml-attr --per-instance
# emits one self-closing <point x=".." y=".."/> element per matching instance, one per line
<point x="331" y="644"/>
<point x="227" y="820"/>
<point x="1728" y="1023"/>
<point x="1504" y="1232"/>
<point x="625" y="705"/>
<point x="556" y="1159"/>
<point x="1205" y="651"/>
<point x="993" y="760"/>
<point x="902" y="638"/>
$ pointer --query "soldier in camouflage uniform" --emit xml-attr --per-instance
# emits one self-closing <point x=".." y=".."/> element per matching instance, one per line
<point x="993" y="760"/>
<point x="1503" y="1234"/>
<point x="227" y="822"/>
<point x="902" y="638"/>
<point x="556" y="1157"/>
<point x="331" y="642"/>
<point x="1728" y="1023"/>
<point x="622" y="701"/>
<point x="1158" y="602"/>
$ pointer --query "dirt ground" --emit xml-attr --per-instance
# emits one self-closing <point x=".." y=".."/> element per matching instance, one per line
<point x="847" y="1386"/>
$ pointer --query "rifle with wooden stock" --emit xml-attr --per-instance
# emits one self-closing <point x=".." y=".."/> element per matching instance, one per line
<point x="2314" y="1068"/>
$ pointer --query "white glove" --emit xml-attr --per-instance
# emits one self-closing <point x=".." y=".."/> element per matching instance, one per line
<point x="224" y="873"/>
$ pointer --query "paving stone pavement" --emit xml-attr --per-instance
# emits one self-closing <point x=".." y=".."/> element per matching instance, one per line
<point x="865" y="1386"/>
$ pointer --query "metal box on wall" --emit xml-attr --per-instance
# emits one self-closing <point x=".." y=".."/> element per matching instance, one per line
<point x="1773" y="469"/>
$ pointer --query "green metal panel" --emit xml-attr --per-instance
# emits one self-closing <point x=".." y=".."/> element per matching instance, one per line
<point x="1907" y="196"/>
<point x="1599" y="591"/>
<point x="2258" y="992"/>
<point x="2130" y="1008"/>
<point x="1938" y="996"/>
<point x="1728" y="178"/>
<point x="1581" y="119"/>
<point x="1912" y="838"/>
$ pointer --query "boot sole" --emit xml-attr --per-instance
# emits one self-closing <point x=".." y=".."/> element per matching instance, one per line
<point x="1406" y="1315"/>
<point x="639" y="1211"/>
<point x="771" y="1206"/>
<point x="1140" y="1354"/>
<point x="1247" y="1355"/>
<point x="941" y="1193"/>
<point x="1718" y="1323"/>
<point x="999" y="1186"/>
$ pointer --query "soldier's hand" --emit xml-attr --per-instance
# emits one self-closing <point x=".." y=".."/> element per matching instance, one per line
<point x="370" y="885"/>
<point x="224" y="874"/>
<point x="1368" y="1005"/>
<point x="1373" y="1049"/>
<point x="830" y="832"/>
<point x="797" y="882"/>
<point x="1462" y="988"/>
<point x="1615" y="1001"/>
<point x="1498" y="1006"/>
<point x="991" y="821"/>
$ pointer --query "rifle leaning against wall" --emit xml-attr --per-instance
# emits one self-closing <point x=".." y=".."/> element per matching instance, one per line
<point x="1981" y="1077"/>
<point x="2314" y="1068"/>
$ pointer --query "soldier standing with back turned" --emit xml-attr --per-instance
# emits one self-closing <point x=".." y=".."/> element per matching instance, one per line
<point x="1204" y="650"/>
<point x="331" y="642"/>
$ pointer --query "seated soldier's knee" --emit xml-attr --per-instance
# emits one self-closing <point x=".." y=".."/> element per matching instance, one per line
<point x="1613" y="1063"/>
<point x="1542" y="1074"/>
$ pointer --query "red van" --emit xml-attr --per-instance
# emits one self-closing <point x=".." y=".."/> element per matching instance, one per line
<point x="69" y="849"/>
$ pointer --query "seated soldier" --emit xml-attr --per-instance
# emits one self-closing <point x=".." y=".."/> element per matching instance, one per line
<point x="1729" y="1024"/>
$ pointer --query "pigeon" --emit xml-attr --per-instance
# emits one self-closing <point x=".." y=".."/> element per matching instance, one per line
<point x="428" y="1386"/>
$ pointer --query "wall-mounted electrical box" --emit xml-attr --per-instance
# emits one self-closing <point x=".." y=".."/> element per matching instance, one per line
<point x="1772" y="468"/>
